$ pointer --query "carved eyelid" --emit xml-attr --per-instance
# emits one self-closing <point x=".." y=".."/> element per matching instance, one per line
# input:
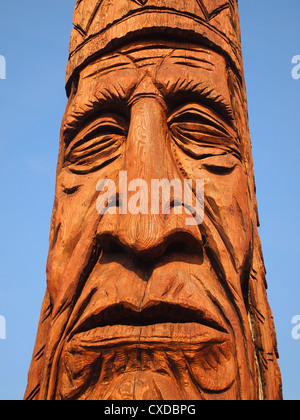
<point x="198" y="110"/>
<point x="115" y="121"/>
<point x="224" y="161"/>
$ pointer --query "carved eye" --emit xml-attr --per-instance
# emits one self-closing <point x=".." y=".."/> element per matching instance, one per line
<point x="98" y="143"/>
<point x="201" y="134"/>
<point x="195" y="123"/>
<point x="220" y="165"/>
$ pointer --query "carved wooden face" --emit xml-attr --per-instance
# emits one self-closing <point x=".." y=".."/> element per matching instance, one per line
<point x="145" y="305"/>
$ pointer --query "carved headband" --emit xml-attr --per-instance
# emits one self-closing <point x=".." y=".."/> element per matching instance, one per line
<point x="100" y="25"/>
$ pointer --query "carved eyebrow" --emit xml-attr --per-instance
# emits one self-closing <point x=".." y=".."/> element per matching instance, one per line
<point x="104" y="99"/>
<point x="113" y="100"/>
<point x="186" y="90"/>
<point x="174" y="94"/>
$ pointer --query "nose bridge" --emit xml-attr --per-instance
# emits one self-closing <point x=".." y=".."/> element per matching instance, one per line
<point x="147" y="155"/>
<point x="146" y="158"/>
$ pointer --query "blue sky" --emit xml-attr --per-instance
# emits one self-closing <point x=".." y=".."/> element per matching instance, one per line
<point x="34" y="40"/>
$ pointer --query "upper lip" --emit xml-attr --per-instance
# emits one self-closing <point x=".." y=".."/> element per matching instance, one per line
<point x="159" y="313"/>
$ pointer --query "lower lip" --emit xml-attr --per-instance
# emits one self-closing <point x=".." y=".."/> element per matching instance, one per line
<point x="180" y="334"/>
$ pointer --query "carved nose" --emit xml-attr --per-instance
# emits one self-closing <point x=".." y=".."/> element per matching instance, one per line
<point x="147" y="238"/>
<point x="149" y="235"/>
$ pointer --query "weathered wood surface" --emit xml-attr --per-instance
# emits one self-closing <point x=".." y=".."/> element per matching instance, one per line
<point x="147" y="306"/>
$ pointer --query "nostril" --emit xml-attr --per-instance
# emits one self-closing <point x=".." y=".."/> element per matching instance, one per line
<point x="178" y="243"/>
<point x="110" y="244"/>
<point x="177" y="248"/>
<point x="183" y="242"/>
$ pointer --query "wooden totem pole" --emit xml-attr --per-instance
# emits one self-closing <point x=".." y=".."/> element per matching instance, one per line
<point x="155" y="278"/>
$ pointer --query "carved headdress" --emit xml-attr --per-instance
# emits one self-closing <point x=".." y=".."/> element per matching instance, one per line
<point x="102" y="26"/>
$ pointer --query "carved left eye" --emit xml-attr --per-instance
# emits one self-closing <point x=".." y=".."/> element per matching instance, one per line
<point x="193" y="122"/>
<point x="201" y="134"/>
<point x="220" y="165"/>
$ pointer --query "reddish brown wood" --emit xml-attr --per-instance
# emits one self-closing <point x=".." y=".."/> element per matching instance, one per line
<point x="145" y="306"/>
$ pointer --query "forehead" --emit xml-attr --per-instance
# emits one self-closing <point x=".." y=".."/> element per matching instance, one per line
<point x="167" y="69"/>
<point x="164" y="63"/>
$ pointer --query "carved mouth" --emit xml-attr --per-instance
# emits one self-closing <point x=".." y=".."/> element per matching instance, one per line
<point x="159" y="314"/>
<point x="163" y="339"/>
<point x="161" y="321"/>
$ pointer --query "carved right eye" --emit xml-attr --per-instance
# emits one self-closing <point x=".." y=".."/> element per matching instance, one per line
<point x="98" y="143"/>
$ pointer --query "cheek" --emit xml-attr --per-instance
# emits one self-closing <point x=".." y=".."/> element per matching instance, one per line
<point x="77" y="202"/>
<point x="75" y="206"/>
<point x="227" y="199"/>
<point x="74" y="213"/>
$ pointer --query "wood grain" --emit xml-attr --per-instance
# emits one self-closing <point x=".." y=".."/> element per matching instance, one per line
<point x="143" y="305"/>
